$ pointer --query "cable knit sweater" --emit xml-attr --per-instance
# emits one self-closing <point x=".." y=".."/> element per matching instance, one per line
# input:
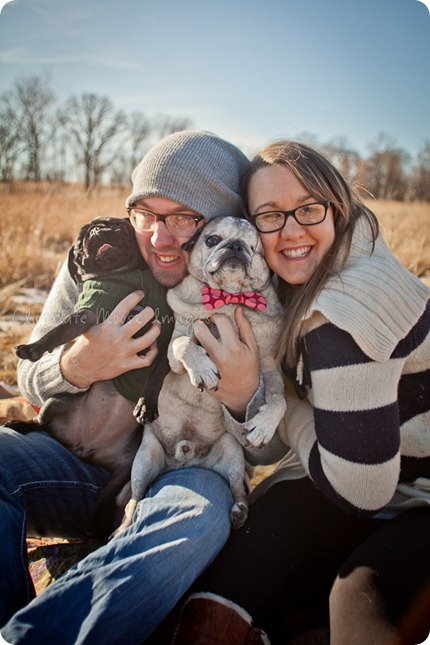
<point x="363" y="431"/>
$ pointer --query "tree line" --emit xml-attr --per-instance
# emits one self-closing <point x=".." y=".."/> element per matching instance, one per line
<point x="86" y="139"/>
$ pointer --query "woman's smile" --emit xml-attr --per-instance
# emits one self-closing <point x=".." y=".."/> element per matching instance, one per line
<point x="296" y="254"/>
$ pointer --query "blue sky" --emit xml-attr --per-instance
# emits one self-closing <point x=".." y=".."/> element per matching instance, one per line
<point x="249" y="70"/>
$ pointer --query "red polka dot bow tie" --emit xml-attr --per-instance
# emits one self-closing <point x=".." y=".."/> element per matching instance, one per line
<point x="214" y="298"/>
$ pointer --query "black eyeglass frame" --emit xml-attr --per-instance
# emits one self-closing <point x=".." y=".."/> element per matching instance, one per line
<point x="160" y="217"/>
<point x="287" y="214"/>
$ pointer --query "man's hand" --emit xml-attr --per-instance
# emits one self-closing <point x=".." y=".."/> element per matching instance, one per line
<point x="235" y="354"/>
<point x="109" y="349"/>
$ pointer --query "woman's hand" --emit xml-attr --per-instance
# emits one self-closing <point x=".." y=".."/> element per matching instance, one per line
<point x="109" y="349"/>
<point x="235" y="354"/>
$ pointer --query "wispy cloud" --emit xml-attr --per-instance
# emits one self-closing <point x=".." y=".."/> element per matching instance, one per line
<point x="22" y="56"/>
<point x="65" y="17"/>
<point x="13" y="55"/>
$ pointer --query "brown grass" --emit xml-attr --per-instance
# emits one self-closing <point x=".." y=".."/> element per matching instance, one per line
<point x="38" y="223"/>
<point x="406" y="228"/>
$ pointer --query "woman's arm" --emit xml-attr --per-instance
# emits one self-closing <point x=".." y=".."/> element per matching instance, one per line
<point x="235" y="354"/>
<point x="348" y="434"/>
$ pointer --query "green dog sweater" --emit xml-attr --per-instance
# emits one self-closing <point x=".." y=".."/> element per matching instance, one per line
<point x="102" y="296"/>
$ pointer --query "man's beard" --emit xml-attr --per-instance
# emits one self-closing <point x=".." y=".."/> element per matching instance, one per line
<point x="168" y="277"/>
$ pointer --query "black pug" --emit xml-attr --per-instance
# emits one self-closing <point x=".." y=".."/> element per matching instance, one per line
<point x="104" y="424"/>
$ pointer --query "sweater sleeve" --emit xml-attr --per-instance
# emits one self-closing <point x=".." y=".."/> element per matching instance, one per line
<point x="41" y="380"/>
<point x="268" y="454"/>
<point x="347" y="434"/>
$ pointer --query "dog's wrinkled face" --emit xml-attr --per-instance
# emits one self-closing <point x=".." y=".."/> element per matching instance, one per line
<point x="105" y="246"/>
<point x="228" y="255"/>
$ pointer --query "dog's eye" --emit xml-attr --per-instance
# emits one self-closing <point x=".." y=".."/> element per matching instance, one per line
<point x="213" y="240"/>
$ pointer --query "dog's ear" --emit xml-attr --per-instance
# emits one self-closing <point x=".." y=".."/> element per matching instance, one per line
<point x="73" y="267"/>
<point x="75" y="252"/>
<point x="189" y="244"/>
<point x="259" y="248"/>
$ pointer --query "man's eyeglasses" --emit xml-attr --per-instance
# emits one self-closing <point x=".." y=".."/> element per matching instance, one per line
<point x="180" y="225"/>
<point x="307" y="215"/>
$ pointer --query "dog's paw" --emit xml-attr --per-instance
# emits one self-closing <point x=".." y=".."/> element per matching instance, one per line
<point x="145" y="412"/>
<point x="259" y="437"/>
<point x="202" y="371"/>
<point x="28" y="352"/>
<point x="260" y="429"/>
<point x="204" y="376"/>
<point x="140" y="412"/>
<point x="238" y="514"/>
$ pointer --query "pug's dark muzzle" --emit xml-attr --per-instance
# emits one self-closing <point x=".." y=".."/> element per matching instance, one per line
<point x="233" y="257"/>
<point x="104" y="247"/>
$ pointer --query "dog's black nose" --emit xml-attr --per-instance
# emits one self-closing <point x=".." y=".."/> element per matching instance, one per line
<point x="236" y="245"/>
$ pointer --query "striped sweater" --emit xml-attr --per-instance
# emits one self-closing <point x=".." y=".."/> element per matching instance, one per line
<point x="363" y="431"/>
<point x="365" y="425"/>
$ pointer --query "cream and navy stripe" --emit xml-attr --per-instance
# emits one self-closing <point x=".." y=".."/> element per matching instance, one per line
<point x="361" y="409"/>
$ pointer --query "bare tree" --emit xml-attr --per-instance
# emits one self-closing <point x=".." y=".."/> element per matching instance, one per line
<point x="139" y="135"/>
<point x="132" y="147"/>
<point x="93" y="124"/>
<point x="30" y="101"/>
<point x="140" y="129"/>
<point x="384" y="173"/>
<point x="166" y="125"/>
<point x="346" y="160"/>
<point x="421" y="174"/>
<point x="11" y="140"/>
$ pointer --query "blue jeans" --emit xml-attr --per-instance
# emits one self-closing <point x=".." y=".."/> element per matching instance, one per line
<point x="123" y="590"/>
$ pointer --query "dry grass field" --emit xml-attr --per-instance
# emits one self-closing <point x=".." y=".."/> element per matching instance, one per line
<point x="39" y="223"/>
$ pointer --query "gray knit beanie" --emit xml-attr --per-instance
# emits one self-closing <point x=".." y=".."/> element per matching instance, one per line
<point x="197" y="169"/>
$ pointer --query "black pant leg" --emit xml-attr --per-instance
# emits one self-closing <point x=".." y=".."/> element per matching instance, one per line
<point x="281" y="564"/>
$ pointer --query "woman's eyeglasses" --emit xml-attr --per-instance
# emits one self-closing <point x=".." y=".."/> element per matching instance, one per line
<point x="307" y="215"/>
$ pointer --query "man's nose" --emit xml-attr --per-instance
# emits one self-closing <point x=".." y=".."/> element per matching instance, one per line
<point x="161" y="236"/>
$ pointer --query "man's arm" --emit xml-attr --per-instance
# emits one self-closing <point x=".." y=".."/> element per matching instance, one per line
<point x="38" y="381"/>
<point x="105" y="351"/>
<point x="108" y="349"/>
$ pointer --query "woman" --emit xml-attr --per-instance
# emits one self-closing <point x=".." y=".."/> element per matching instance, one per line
<point x="341" y="530"/>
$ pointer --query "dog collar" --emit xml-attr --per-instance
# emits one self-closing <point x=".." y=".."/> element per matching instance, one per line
<point x="214" y="298"/>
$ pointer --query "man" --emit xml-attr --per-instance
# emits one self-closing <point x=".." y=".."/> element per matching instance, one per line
<point x="122" y="591"/>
